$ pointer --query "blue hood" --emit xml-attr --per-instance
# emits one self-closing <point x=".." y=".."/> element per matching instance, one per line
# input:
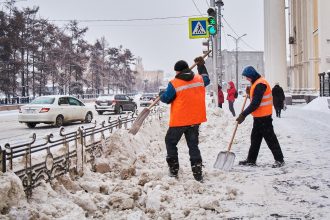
<point x="251" y="73"/>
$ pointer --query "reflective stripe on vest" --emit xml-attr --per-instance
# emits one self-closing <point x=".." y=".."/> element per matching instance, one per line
<point x="266" y="106"/>
<point x="188" y="107"/>
<point x="189" y="86"/>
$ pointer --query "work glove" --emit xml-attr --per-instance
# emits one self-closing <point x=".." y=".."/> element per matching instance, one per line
<point x="247" y="90"/>
<point x="199" y="61"/>
<point x="240" y="118"/>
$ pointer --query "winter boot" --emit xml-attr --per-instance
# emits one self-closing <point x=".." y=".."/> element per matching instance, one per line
<point x="247" y="163"/>
<point x="197" y="171"/>
<point x="173" y="167"/>
<point x="278" y="164"/>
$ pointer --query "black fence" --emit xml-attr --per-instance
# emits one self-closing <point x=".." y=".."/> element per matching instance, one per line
<point x="39" y="160"/>
<point x="324" y="84"/>
<point x="15" y="100"/>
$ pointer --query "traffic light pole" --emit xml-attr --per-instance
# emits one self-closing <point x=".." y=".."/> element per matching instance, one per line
<point x="219" y="3"/>
<point x="214" y="59"/>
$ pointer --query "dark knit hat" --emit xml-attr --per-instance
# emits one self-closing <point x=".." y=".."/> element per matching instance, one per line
<point x="181" y="65"/>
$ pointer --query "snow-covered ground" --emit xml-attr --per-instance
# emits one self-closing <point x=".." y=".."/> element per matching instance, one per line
<point x="132" y="181"/>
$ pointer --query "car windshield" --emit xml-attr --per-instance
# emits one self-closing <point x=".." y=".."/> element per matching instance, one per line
<point x="43" y="100"/>
<point x="105" y="98"/>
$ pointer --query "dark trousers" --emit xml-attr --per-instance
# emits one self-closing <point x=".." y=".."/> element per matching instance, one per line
<point x="220" y="105"/>
<point x="231" y="107"/>
<point x="278" y="111"/>
<point x="174" y="135"/>
<point x="263" y="128"/>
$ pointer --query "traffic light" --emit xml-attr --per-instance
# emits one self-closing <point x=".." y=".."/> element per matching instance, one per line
<point x="206" y="43"/>
<point x="212" y="20"/>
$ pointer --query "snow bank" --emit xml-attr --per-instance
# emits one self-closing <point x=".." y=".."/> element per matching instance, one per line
<point x="319" y="104"/>
<point x="131" y="180"/>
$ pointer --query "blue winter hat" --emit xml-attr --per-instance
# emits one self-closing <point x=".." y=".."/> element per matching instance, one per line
<point x="251" y="73"/>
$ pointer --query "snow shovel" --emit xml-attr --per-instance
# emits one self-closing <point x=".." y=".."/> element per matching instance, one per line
<point x="225" y="159"/>
<point x="145" y="112"/>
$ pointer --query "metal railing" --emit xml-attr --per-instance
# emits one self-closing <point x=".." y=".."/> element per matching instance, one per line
<point x="324" y="84"/>
<point x="45" y="159"/>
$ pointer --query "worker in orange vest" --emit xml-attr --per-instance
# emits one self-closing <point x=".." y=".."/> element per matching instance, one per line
<point x="261" y="109"/>
<point x="186" y="94"/>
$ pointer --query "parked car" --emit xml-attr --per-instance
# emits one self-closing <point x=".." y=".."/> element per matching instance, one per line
<point x="54" y="109"/>
<point x="147" y="98"/>
<point x="114" y="103"/>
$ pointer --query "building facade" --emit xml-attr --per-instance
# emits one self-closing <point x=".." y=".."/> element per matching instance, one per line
<point x="309" y="40"/>
<point x="245" y="58"/>
<point x="308" y="43"/>
<point x="147" y="80"/>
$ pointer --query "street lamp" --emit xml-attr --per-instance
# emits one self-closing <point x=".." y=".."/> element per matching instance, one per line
<point x="236" y="42"/>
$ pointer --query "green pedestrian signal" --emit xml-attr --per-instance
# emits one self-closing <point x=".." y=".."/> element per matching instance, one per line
<point x="212" y="20"/>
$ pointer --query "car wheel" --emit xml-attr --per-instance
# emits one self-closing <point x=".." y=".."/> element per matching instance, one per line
<point x="88" y="117"/>
<point x="31" y="125"/>
<point x="100" y="112"/>
<point x="59" y="121"/>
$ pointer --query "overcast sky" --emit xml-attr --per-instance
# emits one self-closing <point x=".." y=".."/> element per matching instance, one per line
<point x="160" y="43"/>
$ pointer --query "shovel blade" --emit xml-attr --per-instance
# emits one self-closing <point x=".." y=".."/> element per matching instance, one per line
<point x="139" y="121"/>
<point x="225" y="160"/>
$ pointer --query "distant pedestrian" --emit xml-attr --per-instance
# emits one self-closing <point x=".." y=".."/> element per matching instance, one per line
<point x="231" y="97"/>
<point x="261" y="109"/>
<point x="278" y="99"/>
<point x="186" y="94"/>
<point x="221" y="98"/>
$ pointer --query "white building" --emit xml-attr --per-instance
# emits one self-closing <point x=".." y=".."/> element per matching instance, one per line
<point x="309" y="43"/>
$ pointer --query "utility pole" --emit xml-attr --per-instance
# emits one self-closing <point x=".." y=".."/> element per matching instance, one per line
<point x="236" y="55"/>
<point x="219" y="3"/>
<point x="214" y="60"/>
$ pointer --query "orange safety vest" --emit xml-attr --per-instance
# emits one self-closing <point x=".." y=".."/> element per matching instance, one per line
<point x="266" y="105"/>
<point x="188" y="107"/>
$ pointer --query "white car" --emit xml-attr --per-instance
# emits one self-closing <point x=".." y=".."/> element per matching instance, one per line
<point x="54" y="109"/>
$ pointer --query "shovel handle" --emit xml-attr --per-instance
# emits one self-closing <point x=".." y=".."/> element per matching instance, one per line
<point x="236" y="125"/>
<point x="192" y="67"/>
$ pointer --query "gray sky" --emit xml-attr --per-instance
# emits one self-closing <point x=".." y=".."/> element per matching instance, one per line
<point x="160" y="43"/>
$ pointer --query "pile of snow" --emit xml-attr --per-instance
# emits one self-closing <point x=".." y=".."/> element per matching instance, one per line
<point x="131" y="182"/>
<point x="319" y="104"/>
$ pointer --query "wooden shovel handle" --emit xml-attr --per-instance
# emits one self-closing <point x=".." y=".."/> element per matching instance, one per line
<point x="192" y="67"/>
<point x="236" y="125"/>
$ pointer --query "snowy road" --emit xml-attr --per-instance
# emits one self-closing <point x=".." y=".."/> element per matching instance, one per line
<point x="11" y="131"/>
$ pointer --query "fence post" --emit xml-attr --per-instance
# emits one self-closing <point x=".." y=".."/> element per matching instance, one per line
<point x="321" y="78"/>
<point x="80" y="152"/>
<point x="3" y="160"/>
<point x="328" y="83"/>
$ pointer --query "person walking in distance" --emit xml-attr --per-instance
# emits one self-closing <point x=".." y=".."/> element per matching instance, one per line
<point x="231" y="97"/>
<point x="186" y="94"/>
<point x="261" y="109"/>
<point x="221" y="98"/>
<point x="278" y="99"/>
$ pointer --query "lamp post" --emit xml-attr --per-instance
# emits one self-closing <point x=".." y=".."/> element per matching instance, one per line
<point x="236" y="42"/>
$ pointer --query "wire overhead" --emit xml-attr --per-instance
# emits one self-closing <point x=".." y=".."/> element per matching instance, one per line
<point x="126" y="20"/>
<point x="231" y="28"/>
<point x="196" y="7"/>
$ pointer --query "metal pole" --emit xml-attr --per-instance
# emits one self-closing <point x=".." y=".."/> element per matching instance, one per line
<point x="237" y="64"/>
<point x="214" y="59"/>
<point x="219" y="3"/>
<point x="236" y="42"/>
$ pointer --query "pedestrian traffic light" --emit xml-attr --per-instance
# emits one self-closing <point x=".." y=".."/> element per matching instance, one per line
<point x="212" y="20"/>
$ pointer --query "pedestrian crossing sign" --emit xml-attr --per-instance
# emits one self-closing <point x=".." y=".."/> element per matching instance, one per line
<point x="198" y="28"/>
